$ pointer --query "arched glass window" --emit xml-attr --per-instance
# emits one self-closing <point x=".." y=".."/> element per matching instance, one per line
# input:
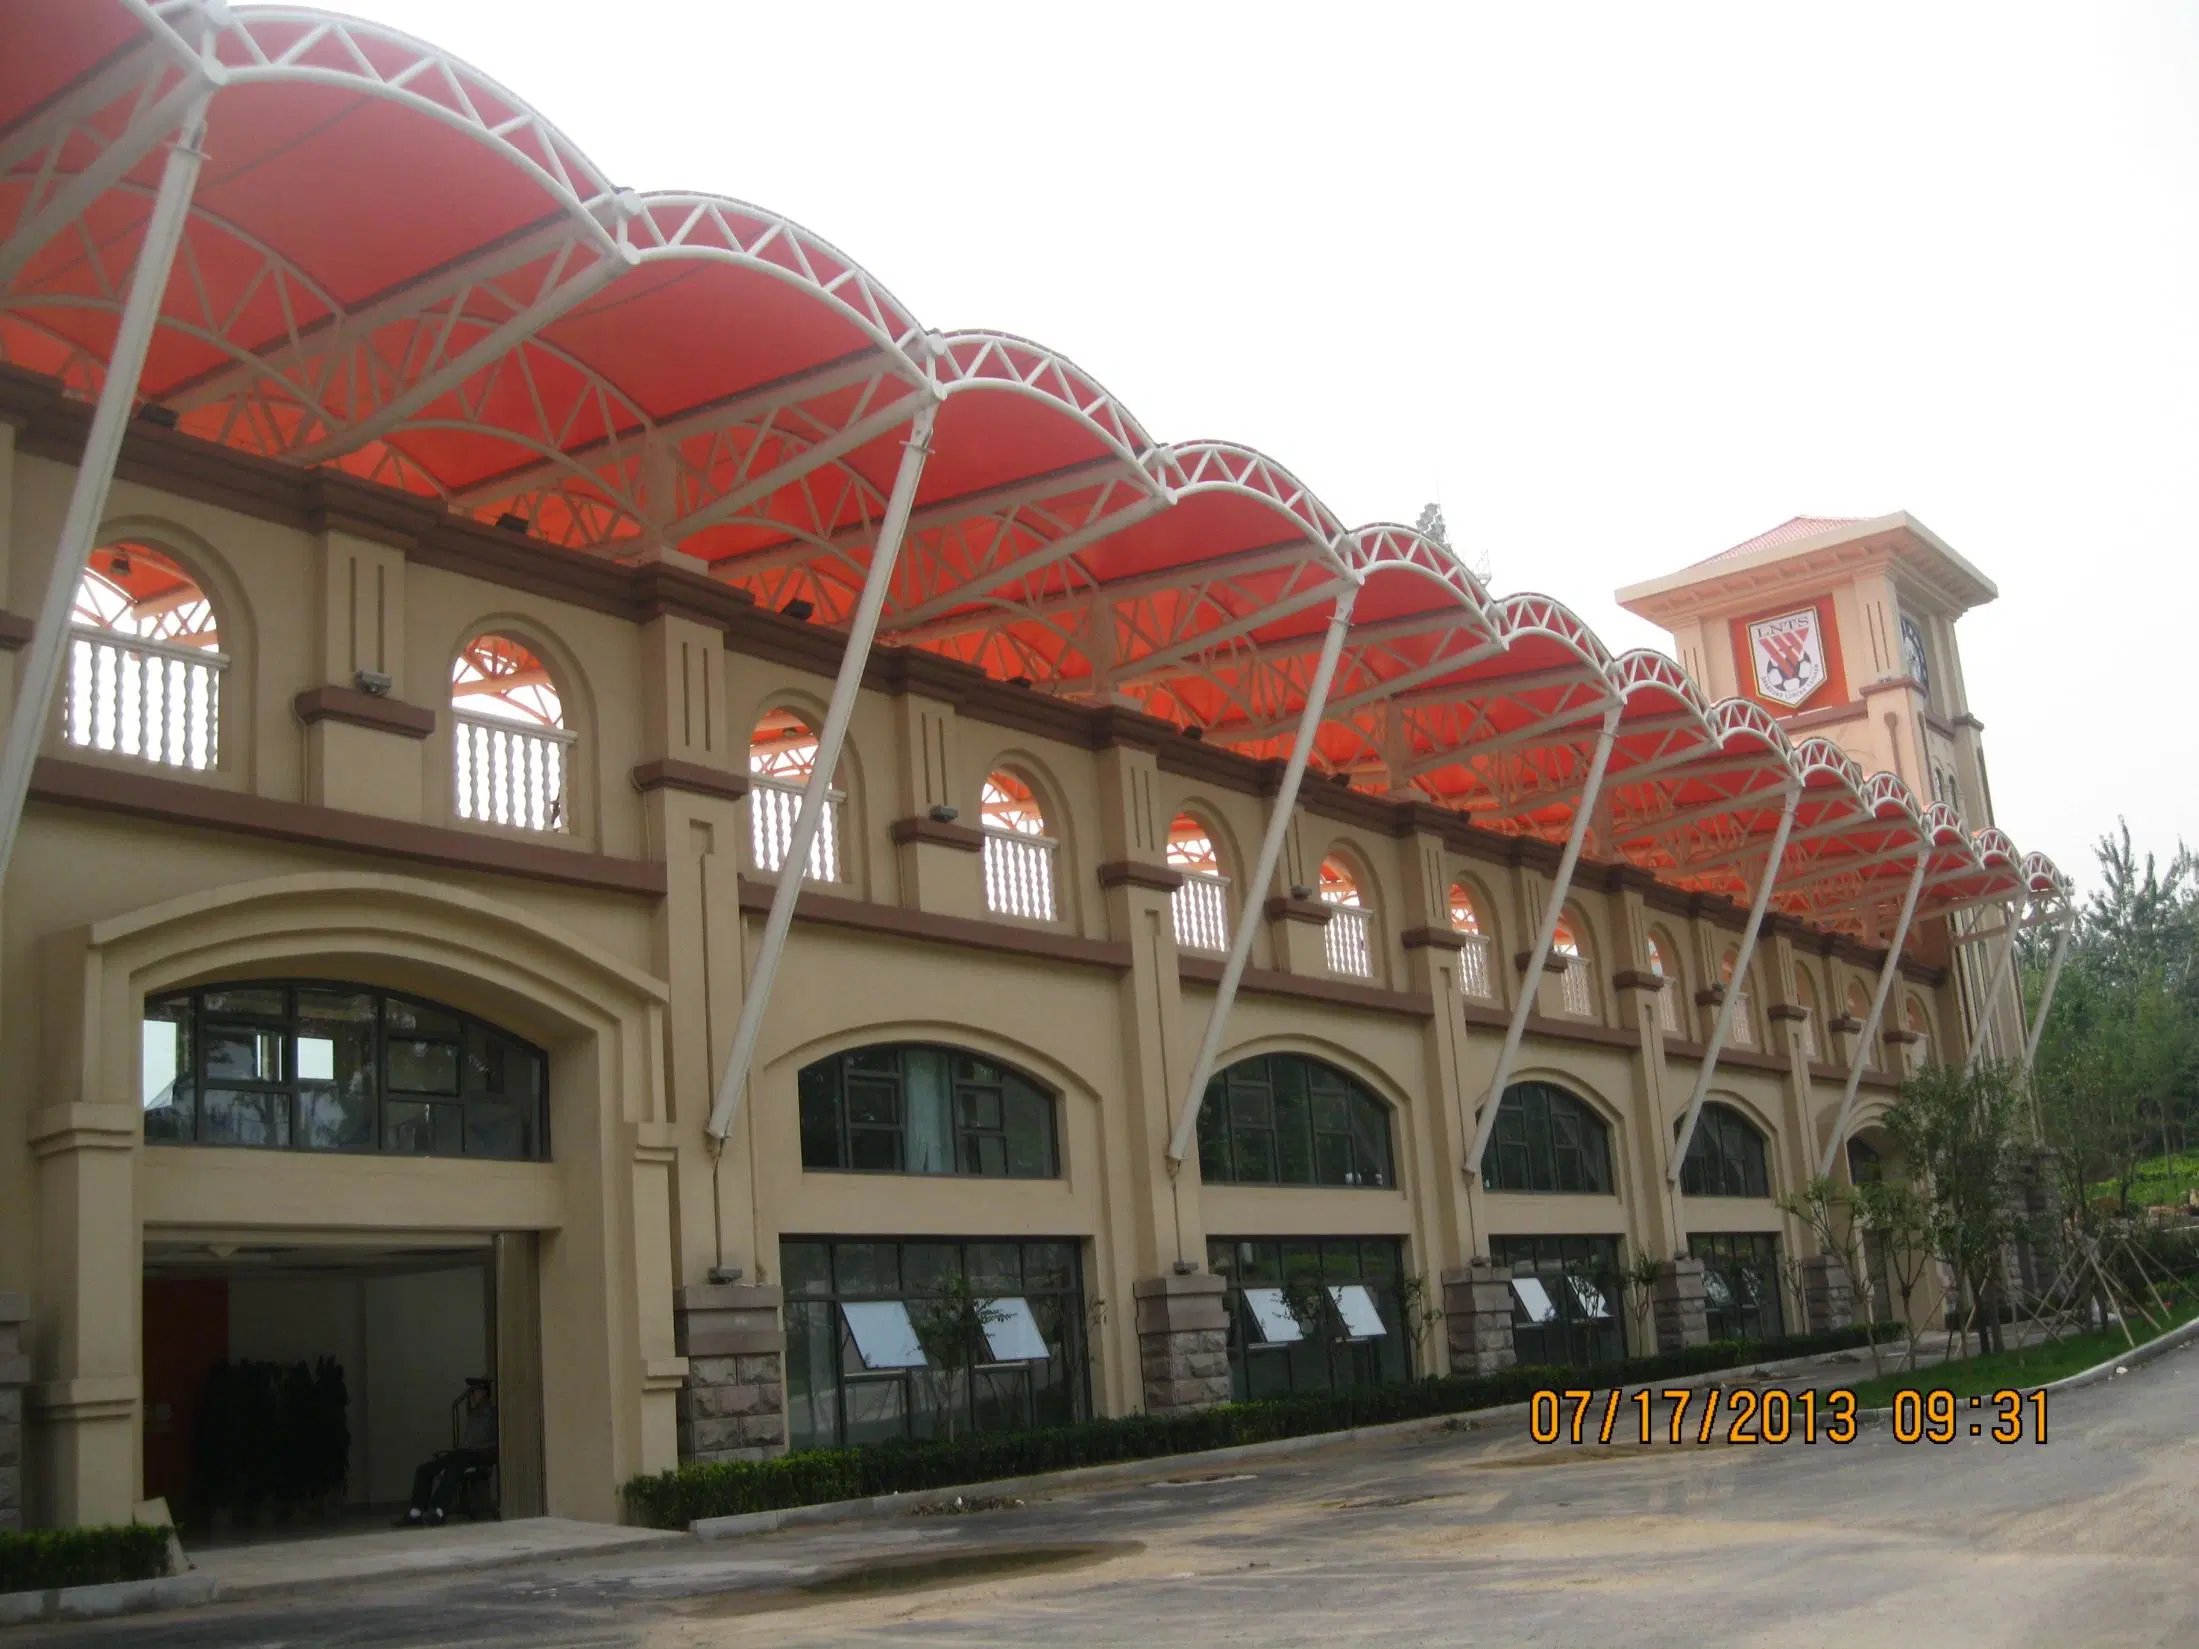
<point x="781" y="753"/>
<point x="510" y="745"/>
<point x="145" y="662"/>
<point x="1476" y="977"/>
<point x="1284" y="1119"/>
<point x="1546" y="1139"/>
<point x="1571" y="945"/>
<point x="1865" y="1165"/>
<point x="1349" y="930"/>
<point x="1742" y="1032"/>
<point x="913" y="1109"/>
<point x="1201" y="905"/>
<point x="1668" y="999"/>
<point x="1019" y="855"/>
<point x="1725" y="1158"/>
<point x="310" y="1066"/>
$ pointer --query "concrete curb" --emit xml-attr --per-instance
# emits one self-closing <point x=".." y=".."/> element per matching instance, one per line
<point x="613" y="1543"/>
<point x="2128" y="1357"/>
<point x="122" y="1597"/>
<point x="1161" y="1467"/>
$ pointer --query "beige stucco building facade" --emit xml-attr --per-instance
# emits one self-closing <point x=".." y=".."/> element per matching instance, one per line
<point x="322" y="841"/>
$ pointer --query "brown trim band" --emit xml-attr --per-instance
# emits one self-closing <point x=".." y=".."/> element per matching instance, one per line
<point x="1821" y="1072"/>
<point x="1137" y="873"/>
<point x="1846" y="1022"/>
<point x="1786" y="1013"/>
<point x="1900" y="1038"/>
<point x="1552" y="962"/>
<point x="179" y="802"/>
<point x="1710" y="996"/>
<point x="1314" y="912"/>
<point x="691" y="777"/>
<point x="936" y="833"/>
<point x="1634" y="979"/>
<point x="356" y="709"/>
<point x="1343" y="993"/>
<point x="1556" y="1030"/>
<point x="1742" y="1059"/>
<point x="1432" y="939"/>
<point x="16" y="632"/>
<point x="971" y="934"/>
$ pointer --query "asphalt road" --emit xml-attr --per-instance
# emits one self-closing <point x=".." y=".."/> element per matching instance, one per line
<point x="1474" y="1538"/>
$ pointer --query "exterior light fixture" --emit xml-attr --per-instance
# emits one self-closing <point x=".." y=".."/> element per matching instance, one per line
<point x="160" y="417"/>
<point x="943" y="814"/>
<point x="798" y="610"/>
<point x="1299" y="890"/>
<point x="373" y="683"/>
<point x="511" y="521"/>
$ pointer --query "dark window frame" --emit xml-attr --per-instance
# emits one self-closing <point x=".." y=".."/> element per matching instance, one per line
<point x="1345" y="1143"/>
<point x="829" y="1142"/>
<point x="1728" y="1157"/>
<point x="1575" y="1340"/>
<point x="475" y="1047"/>
<point x="1258" y="1369"/>
<point x="1741" y="1258"/>
<point x="1548" y="1141"/>
<point x="814" y="1322"/>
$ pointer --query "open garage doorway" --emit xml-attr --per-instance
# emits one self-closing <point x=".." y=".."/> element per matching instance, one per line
<point x="295" y="1386"/>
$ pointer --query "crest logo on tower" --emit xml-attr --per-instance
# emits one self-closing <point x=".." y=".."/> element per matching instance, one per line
<point x="1789" y="652"/>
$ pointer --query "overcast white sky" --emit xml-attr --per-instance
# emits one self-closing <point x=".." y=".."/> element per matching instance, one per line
<point x="1621" y="285"/>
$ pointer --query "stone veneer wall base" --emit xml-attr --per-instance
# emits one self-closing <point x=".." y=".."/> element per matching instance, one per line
<point x="733" y="1406"/>
<point x="1183" y="1341"/>
<point x="1677" y="1303"/>
<point x="1477" y="1318"/>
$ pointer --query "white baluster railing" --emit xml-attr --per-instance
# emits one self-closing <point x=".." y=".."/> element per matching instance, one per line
<point x="1743" y="1031"/>
<point x="1668" y="1005"/>
<point x="510" y="773"/>
<point x="154" y="700"/>
<point x="1201" y="909"/>
<point x="772" y="805"/>
<point x="1474" y="978"/>
<point x="1346" y="941"/>
<point x="1019" y="874"/>
<point x="1579" y="994"/>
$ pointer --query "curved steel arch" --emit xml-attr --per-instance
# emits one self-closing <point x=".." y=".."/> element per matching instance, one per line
<point x="977" y="359"/>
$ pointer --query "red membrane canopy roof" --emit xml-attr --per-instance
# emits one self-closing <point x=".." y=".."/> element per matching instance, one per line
<point x="395" y="267"/>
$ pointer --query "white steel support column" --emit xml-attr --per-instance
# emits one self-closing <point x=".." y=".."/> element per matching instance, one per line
<point x="1736" y="987"/>
<point x="1263" y="873"/>
<point x="1869" y="1034"/>
<point x="830" y="738"/>
<point x="1547" y="936"/>
<point x="39" y="675"/>
<point x="1989" y="1007"/>
<point x="2046" y="992"/>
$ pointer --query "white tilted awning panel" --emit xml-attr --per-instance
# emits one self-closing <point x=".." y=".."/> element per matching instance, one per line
<point x="884" y="1336"/>
<point x="1013" y="1336"/>
<point x="1277" y="1326"/>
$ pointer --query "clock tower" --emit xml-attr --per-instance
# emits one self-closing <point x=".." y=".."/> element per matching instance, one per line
<point x="1842" y="627"/>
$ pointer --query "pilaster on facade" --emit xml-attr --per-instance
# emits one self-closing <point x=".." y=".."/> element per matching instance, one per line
<point x="1676" y="1306"/>
<point x="15" y="1375"/>
<point x="1656" y="1106"/>
<point x="364" y="730"/>
<point x="732" y="1405"/>
<point x="1477" y="1317"/>
<point x="1183" y="1341"/>
<point x="938" y="851"/>
<point x="1828" y="1294"/>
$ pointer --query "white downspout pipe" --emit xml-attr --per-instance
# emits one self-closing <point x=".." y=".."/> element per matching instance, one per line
<point x="1560" y="886"/>
<point x="1869" y="1035"/>
<point x="861" y="629"/>
<point x="1263" y="873"/>
<point x="1989" y="1008"/>
<point x="1723" y="1024"/>
<point x="40" y="674"/>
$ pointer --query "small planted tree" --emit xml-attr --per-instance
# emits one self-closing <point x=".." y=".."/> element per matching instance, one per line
<point x="1639" y="1278"/>
<point x="1416" y="1305"/>
<point x="1826" y="1208"/>
<point x="1891" y="1211"/>
<point x="1958" y="1129"/>
<point x="949" y="1326"/>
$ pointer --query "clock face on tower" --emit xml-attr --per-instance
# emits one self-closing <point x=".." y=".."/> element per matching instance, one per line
<point x="1912" y="653"/>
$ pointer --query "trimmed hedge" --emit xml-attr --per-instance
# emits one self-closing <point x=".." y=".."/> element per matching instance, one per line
<point x="40" y="1560"/>
<point x="673" y="1499"/>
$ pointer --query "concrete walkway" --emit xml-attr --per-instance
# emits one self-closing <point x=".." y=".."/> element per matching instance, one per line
<point x="295" y="1565"/>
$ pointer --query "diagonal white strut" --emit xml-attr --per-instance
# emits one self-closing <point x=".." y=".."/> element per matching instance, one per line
<point x="861" y="629"/>
<point x="2046" y="992"/>
<point x="1546" y="937"/>
<point x="1730" y="1003"/>
<point x="1989" y="1007"/>
<point x="1868" y="1036"/>
<point x="39" y="675"/>
<point x="1263" y="873"/>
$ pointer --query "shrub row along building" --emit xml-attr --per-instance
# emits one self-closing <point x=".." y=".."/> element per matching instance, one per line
<point x="589" y="802"/>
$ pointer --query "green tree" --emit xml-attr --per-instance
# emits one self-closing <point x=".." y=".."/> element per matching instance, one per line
<point x="1891" y="1211"/>
<point x="949" y="1325"/>
<point x="1959" y="1130"/>
<point x="1828" y="1210"/>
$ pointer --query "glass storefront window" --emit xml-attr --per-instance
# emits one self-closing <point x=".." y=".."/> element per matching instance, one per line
<point x="1740" y="1285"/>
<point x="1574" y="1318"/>
<point x="1283" y="1119"/>
<point x="1281" y="1284"/>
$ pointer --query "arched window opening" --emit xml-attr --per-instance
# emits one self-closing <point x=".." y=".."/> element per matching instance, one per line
<point x="1578" y="991"/>
<point x="1284" y="1119"/>
<point x="1725" y="1158"/>
<point x="1805" y="993"/>
<point x="145" y="662"/>
<point x="1475" y="976"/>
<point x="1546" y="1139"/>
<point x="911" y="1109"/>
<point x="1920" y="1026"/>
<point x="1349" y="932"/>
<point x="1742" y="1032"/>
<point x="1859" y="1001"/>
<point x="1019" y="855"/>
<point x="1668" y="999"/>
<point x="312" y="1066"/>
<point x="511" y="748"/>
<point x="1201" y="905"/>
<point x="781" y="753"/>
